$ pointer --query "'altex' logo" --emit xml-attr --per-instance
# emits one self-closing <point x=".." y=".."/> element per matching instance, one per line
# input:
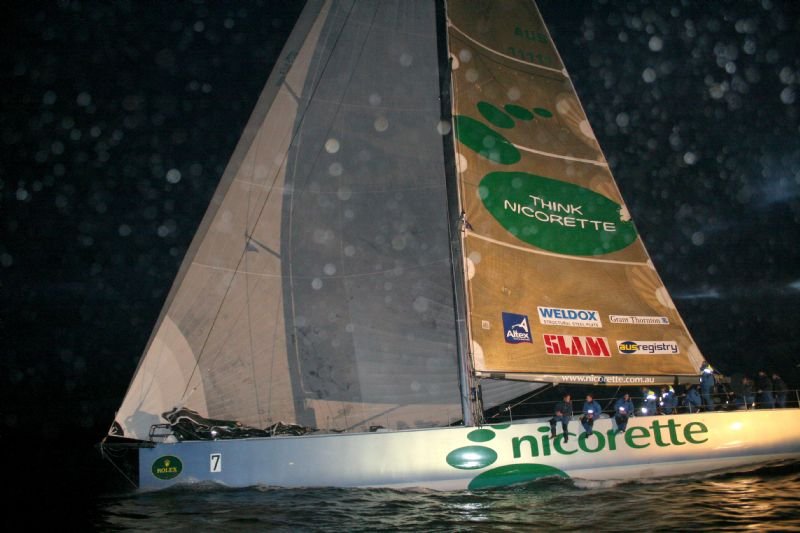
<point x="477" y="457"/>
<point x="551" y="214"/>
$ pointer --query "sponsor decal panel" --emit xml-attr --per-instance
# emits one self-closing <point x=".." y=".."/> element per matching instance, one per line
<point x="555" y="215"/>
<point x="576" y="345"/>
<point x="579" y="318"/>
<point x="639" y="320"/>
<point x="648" y="347"/>
<point x="516" y="328"/>
<point x="167" y="467"/>
<point x="516" y="459"/>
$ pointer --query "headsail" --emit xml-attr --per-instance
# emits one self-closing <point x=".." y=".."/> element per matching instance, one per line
<point x="560" y="286"/>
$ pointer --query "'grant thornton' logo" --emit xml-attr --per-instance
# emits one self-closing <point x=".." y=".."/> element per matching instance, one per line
<point x="516" y="451"/>
<point x="516" y="328"/>
<point x="167" y="467"/>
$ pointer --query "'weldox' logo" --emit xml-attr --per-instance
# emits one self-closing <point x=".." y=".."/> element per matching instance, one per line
<point x="648" y="347"/>
<point x="579" y="318"/>
<point x="555" y="215"/>
<point x="516" y="328"/>
<point x="575" y="345"/>
<point x="167" y="467"/>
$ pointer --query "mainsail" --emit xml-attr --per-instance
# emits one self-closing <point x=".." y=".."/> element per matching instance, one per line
<point x="560" y="287"/>
<point x="318" y="289"/>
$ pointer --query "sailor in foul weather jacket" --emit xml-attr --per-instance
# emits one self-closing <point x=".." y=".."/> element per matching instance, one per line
<point x="693" y="400"/>
<point x="591" y="412"/>
<point x="563" y="414"/>
<point x="623" y="409"/>
<point x="650" y="403"/>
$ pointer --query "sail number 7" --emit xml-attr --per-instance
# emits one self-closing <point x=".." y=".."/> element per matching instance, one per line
<point x="215" y="462"/>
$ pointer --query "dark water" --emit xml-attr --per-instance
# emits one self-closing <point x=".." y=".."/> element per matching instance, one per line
<point x="765" y="499"/>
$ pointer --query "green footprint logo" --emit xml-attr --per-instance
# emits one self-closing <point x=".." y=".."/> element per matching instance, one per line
<point x="476" y="457"/>
<point x="487" y="142"/>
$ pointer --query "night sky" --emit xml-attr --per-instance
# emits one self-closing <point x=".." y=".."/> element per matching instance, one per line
<point x="118" y="119"/>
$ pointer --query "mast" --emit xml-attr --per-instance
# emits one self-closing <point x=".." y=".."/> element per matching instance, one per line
<point x="471" y="404"/>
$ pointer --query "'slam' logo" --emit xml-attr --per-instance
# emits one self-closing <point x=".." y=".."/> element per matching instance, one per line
<point x="516" y="328"/>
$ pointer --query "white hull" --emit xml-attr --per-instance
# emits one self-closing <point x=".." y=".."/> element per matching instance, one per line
<point x="471" y="458"/>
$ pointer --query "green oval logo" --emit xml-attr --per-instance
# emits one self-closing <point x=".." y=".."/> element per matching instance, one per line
<point x="480" y="435"/>
<point x="471" y="457"/>
<point x="503" y="476"/>
<point x="167" y="467"/>
<point x="554" y="215"/>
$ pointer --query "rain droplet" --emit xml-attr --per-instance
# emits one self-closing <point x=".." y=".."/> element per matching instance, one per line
<point x="84" y="99"/>
<point x="586" y="129"/>
<point x="316" y="284"/>
<point x="406" y="59"/>
<point x="656" y="43"/>
<point x="381" y="124"/>
<point x="443" y="127"/>
<point x="375" y="99"/>
<point x="420" y="304"/>
<point x="788" y="95"/>
<point x="465" y="55"/>
<point x="329" y="269"/>
<point x="349" y="250"/>
<point x="331" y="146"/>
<point x="173" y="175"/>
<point x="344" y="193"/>
<point x="461" y="163"/>
<point x="472" y="75"/>
<point x="335" y="169"/>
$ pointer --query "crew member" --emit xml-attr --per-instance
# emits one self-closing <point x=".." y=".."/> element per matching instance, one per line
<point x="623" y="409"/>
<point x="563" y="413"/>
<point x="667" y="402"/>
<point x="781" y="390"/>
<point x="707" y="385"/>
<point x="748" y="397"/>
<point x="591" y="412"/>
<point x="764" y="389"/>
<point x="649" y="405"/>
<point x="693" y="400"/>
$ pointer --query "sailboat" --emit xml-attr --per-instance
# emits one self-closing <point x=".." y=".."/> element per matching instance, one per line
<point x="418" y="224"/>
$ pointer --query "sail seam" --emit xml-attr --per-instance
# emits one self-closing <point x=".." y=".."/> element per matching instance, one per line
<point x="551" y="254"/>
<point x="344" y="276"/>
<point x="559" y="156"/>
<point x="511" y="58"/>
<point x="376" y="191"/>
